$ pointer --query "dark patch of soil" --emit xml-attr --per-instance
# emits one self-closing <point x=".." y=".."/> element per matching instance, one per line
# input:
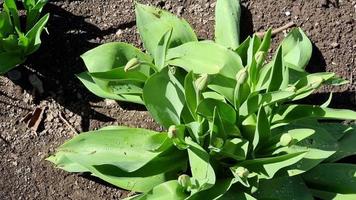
<point x="77" y="26"/>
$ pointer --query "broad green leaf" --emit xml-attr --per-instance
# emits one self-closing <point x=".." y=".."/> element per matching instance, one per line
<point x="207" y="106"/>
<point x="113" y="55"/>
<point x="332" y="177"/>
<point x="276" y="77"/>
<point x="256" y="100"/>
<point x="89" y="83"/>
<point x="161" y="50"/>
<point x="34" y="34"/>
<point x="251" y="61"/>
<point x="9" y="60"/>
<point x="6" y="27"/>
<point x="126" y="148"/>
<point x="235" y="148"/>
<point x="227" y="23"/>
<point x="62" y="162"/>
<point x="191" y="97"/>
<point x="297" y="49"/>
<point x="224" y="86"/>
<point x="33" y="11"/>
<point x="11" y="8"/>
<point x="289" y="113"/>
<point x="243" y="49"/>
<point x="164" y="98"/>
<point x="283" y="188"/>
<point x="263" y="132"/>
<point x="266" y="168"/>
<point x="330" y="195"/>
<point x="147" y="177"/>
<point x="169" y="190"/>
<point x="346" y="144"/>
<point x="153" y="23"/>
<point x="318" y="147"/>
<point x="205" y="57"/>
<point x="200" y="165"/>
<point x="120" y="74"/>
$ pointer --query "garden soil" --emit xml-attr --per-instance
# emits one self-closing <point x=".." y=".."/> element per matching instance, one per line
<point x="77" y="26"/>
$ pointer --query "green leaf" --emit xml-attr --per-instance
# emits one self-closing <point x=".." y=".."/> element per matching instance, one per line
<point x="289" y="113"/>
<point x="297" y="50"/>
<point x="191" y="97"/>
<point x="224" y="86"/>
<point x="89" y="83"/>
<point x="263" y="132"/>
<point x="33" y="11"/>
<point x="126" y="148"/>
<point x="266" y="168"/>
<point x="342" y="179"/>
<point x="113" y="55"/>
<point x="117" y="74"/>
<point x="161" y="50"/>
<point x="34" y="35"/>
<point x="6" y="27"/>
<point x="330" y="195"/>
<point x="205" y="57"/>
<point x="11" y="8"/>
<point x="243" y="49"/>
<point x="207" y="106"/>
<point x="276" y="77"/>
<point x="200" y="165"/>
<point x="319" y="146"/>
<point x="153" y="23"/>
<point x="283" y="188"/>
<point x="169" y="190"/>
<point x="164" y="98"/>
<point x="9" y="60"/>
<point x="227" y="23"/>
<point x="346" y="144"/>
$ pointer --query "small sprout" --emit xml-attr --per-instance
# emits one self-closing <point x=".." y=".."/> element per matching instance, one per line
<point x="172" y="131"/>
<point x="241" y="76"/>
<point x="285" y="140"/>
<point x="184" y="181"/>
<point x="132" y="64"/>
<point x="242" y="172"/>
<point x="201" y="82"/>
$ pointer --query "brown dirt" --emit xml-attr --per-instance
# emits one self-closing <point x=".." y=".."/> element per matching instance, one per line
<point x="77" y="26"/>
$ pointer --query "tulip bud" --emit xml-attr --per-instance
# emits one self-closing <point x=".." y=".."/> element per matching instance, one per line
<point x="260" y="57"/>
<point x="201" y="82"/>
<point x="218" y="142"/>
<point x="242" y="172"/>
<point x="291" y="89"/>
<point x="241" y="76"/>
<point x="132" y="64"/>
<point x="184" y="181"/>
<point x="285" y="140"/>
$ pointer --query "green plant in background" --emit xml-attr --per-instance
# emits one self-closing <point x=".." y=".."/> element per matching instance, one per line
<point x="234" y="129"/>
<point x="17" y="39"/>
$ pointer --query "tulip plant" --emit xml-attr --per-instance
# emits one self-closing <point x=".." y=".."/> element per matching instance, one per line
<point x="234" y="128"/>
<point x="17" y="39"/>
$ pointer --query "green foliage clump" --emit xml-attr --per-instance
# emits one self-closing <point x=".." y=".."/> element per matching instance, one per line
<point x="17" y="39"/>
<point x="234" y="127"/>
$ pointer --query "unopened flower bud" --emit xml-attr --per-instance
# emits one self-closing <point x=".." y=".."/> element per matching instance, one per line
<point x="291" y="89"/>
<point x="260" y="57"/>
<point x="132" y="64"/>
<point x="242" y="172"/>
<point x="184" y="181"/>
<point x="172" y="131"/>
<point x="285" y="140"/>
<point x="241" y="76"/>
<point x="201" y="82"/>
<point x="218" y="142"/>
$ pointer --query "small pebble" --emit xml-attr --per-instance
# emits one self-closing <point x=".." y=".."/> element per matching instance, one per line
<point x="335" y="45"/>
<point x="288" y="13"/>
